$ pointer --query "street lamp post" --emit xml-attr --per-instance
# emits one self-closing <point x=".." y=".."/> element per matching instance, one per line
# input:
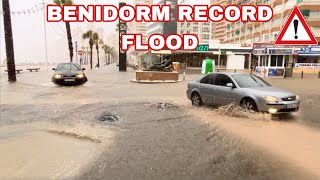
<point x="76" y="45"/>
<point x="45" y="33"/>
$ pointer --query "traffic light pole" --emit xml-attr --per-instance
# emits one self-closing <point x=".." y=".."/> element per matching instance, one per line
<point x="122" y="54"/>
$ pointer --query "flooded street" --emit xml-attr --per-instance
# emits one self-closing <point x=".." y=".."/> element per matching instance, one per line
<point x="111" y="128"/>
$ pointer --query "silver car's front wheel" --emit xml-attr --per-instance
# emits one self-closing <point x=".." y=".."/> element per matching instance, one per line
<point x="249" y="104"/>
<point x="196" y="99"/>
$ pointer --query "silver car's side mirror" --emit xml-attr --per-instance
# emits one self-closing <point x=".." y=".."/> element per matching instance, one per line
<point x="230" y="85"/>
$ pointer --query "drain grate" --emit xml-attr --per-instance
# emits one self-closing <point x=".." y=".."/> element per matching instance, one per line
<point x="109" y="117"/>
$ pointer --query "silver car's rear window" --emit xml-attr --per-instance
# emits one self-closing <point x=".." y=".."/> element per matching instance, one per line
<point x="246" y="80"/>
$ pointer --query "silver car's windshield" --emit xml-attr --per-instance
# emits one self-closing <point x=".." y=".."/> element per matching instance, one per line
<point x="245" y="81"/>
<point x="68" y="67"/>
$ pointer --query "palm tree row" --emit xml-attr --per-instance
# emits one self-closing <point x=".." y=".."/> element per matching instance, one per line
<point x="94" y="39"/>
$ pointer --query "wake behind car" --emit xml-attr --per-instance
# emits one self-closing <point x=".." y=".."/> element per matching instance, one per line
<point x="69" y="74"/>
<point x="248" y="91"/>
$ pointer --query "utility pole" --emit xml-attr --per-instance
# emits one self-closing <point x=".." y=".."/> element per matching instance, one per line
<point x="45" y="33"/>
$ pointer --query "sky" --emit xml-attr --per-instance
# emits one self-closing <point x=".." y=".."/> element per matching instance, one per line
<point x="28" y="32"/>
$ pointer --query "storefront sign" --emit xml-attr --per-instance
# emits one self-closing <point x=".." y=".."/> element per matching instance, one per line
<point x="259" y="52"/>
<point x="310" y="50"/>
<point x="270" y="45"/>
<point x="203" y="47"/>
<point x="280" y="51"/>
<point x="307" y="65"/>
<point x="276" y="72"/>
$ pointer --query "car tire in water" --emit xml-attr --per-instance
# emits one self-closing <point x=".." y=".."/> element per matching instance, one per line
<point x="249" y="104"/>
<point x="196" y="99"/>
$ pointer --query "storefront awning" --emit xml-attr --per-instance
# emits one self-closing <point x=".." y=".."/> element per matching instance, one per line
<point x="315" y="55"/>
<point x="161" y="52"/>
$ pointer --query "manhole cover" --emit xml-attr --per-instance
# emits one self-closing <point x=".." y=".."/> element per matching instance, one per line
<point x="109" y="117"/>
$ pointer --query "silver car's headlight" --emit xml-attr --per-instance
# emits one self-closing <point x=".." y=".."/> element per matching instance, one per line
<point x="272" y="99"/>
<point x="297" y="97"/>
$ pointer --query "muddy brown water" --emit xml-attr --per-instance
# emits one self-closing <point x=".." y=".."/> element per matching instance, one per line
<point x="44" y="128"/>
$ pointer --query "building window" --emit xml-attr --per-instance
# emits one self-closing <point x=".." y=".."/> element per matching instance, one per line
<point x="206" y="24"/>
<point x="276" y="22"/>
<point x="315" y="14"/>
<point x="205" y="36"/>
<point x="237" y="32"/>
<point x="188" y="25"/>
<point x="195" y="28"/>
<point x="181" y="32"/>
<point x="276" y="61"/>
<point x="305" y="13"/>
<point x="266" y="25"/>
<point x="205" y="29"/>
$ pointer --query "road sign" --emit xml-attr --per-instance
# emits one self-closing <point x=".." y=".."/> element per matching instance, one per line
<point x="80" y="52"/>
<point x="296" y="31"/>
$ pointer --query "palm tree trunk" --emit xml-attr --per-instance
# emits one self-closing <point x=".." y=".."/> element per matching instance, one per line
<point x="91" y="57"/>
<point x="107" y="60"/>
<point x="98" y="57"/>
<point x="9" y="41"/>
<point x="69" y="40"/>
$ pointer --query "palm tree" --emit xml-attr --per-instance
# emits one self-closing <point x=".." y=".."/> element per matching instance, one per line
<point x="61" y="3"/>
<point x="117" y="27"/>
<point x="9" y="41"/>
<point x="89" y="35"/>
<point x="97" y="41"/>
<point x="106" y="49"/>
<point x="113" y="53"/>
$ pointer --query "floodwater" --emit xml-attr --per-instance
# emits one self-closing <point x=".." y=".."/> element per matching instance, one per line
<point x="54" y="132"/>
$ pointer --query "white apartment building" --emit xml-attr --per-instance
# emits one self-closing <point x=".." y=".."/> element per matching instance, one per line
<point x="139" y="27"/>
<point x="201" y="29"/>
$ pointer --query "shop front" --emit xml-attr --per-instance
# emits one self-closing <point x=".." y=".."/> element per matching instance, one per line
<point x="226" y="56"/>
<point x="271" y="61"/>
<point x="308" y="60"/>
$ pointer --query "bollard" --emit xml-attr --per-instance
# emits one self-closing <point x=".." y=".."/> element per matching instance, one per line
<point x="302" y="75"/>
<point x="235" y="71"/>
<point x="319" y="75"/>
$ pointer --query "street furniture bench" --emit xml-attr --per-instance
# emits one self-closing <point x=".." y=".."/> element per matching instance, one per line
<point x="33" y="69"/>
<point x="17" y="71"/>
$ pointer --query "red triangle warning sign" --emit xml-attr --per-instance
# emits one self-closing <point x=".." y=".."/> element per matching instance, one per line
<point x="296" y="31"/>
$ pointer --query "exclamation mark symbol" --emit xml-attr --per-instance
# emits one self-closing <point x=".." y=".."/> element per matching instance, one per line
<point x="295" y="23"/>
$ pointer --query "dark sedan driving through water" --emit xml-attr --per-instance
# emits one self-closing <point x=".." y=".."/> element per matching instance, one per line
<point x="69" y="74"/>
<point x="248" y="91"/>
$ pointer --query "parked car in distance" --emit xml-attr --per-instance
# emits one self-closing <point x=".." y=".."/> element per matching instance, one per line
<point x="69" y="74"/>
<point x="248" y="91"/>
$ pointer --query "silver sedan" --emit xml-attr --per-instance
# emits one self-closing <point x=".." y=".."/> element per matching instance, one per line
<point x="248" y="91"/>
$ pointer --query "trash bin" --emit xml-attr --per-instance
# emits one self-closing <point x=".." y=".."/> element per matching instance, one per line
<point x="208" y="66"/>
<point x="176" y="66"/>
